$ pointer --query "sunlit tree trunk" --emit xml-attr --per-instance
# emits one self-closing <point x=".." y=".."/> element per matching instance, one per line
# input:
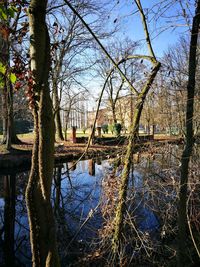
<point x="114" y="115"/>
<point x="182" y="211"/>
<point x="38" y="192"/>
<point x="57" y="111"/>
<point x="134" y="129"/>
<point x="120" y="210"/>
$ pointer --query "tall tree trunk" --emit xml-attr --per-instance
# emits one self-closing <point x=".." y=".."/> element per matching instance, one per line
<point x="66" y="122"/>
<point x="57" y="111"/>
<point x="4" y="57"/>
<point x="9" y="114"/>
<point x="9" y="135"/>
<point x="5" y="114"/>
<point x="114" y="114"/>
<point x="38" y="192"/>
<point x="182" y="211"/>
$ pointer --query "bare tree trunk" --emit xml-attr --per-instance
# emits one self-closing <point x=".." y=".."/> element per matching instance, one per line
<point x="66" y="122"/>
<point x="4" y="112"/>
<point x="59" y="125"/>
<point x="182" y="211"/>
<point x="135" y="125"/>
<point x="57" y="111"/>
<point x="9" y="114"/>
<point x="9" y="135"/>
<point x="128" y="161"/>
<point x="38" y="192"/>
<point x="114" y="114"/>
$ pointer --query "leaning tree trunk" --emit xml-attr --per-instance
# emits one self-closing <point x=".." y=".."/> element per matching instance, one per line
<point x="182" y="211"/>
<point x="38" y="192"/>
<point x="120" y="210"/>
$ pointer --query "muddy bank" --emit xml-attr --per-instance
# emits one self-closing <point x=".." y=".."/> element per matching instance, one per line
<point x="19" y="158"/>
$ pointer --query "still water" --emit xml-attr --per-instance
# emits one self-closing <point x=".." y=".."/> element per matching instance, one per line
<point x="76" y="199"/>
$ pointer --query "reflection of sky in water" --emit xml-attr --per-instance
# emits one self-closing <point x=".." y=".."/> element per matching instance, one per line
<point x="145" y="218"/>
<point x="79" y="196"/>
<point x="2" y="203"/>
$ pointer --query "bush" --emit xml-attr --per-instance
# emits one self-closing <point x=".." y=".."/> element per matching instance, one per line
<point x="21" y="126"/>
<point x="105" y="128"/>
<point x="117" y="128"/>
<point x="84" y="129"/>
<point x="111" y="128"/>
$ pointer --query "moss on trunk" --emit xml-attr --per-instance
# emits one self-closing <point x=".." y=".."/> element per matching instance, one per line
<point x="40" y="213"/>
<point x="120" y="210"/>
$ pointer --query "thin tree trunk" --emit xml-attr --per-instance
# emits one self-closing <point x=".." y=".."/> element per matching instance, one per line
<point x="118" y="221"/>
<point x="66" y="122"/>
<point x="114" y="114"/>
<point x="182" y="211"/>
<point x="57" y="111"/>
<point x="9" y="114"/>
<point x="9" y="135"/>
<point x="59" y="125"/>
<point x="5" y="116"/>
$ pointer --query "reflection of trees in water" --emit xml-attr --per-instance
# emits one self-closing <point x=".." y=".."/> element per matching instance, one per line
<point x="75" y="198"/>
<point x="75" y="194"/>
<point x="151" y="208"/>
<point x="9" y="219"/>
<point x="72" y="198"/>
<point x="14" y="230"/>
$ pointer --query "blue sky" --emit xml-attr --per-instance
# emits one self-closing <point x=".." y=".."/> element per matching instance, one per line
<point x="161" y="28"/>
<point x="123" y="15"/>
<point x="161" y="31"/>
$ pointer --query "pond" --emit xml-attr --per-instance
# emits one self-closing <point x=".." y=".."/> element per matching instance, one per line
<point x="78" y="199"/>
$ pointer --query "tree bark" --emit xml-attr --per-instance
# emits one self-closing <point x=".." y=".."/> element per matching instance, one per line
<point x="38" y="192"/>
<point x="114" y="114"/>
<point x="57" y="111"/>
<point x="134" y="129"/>
<point x="9" y="135"/>
<point x="183" y="258"/>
